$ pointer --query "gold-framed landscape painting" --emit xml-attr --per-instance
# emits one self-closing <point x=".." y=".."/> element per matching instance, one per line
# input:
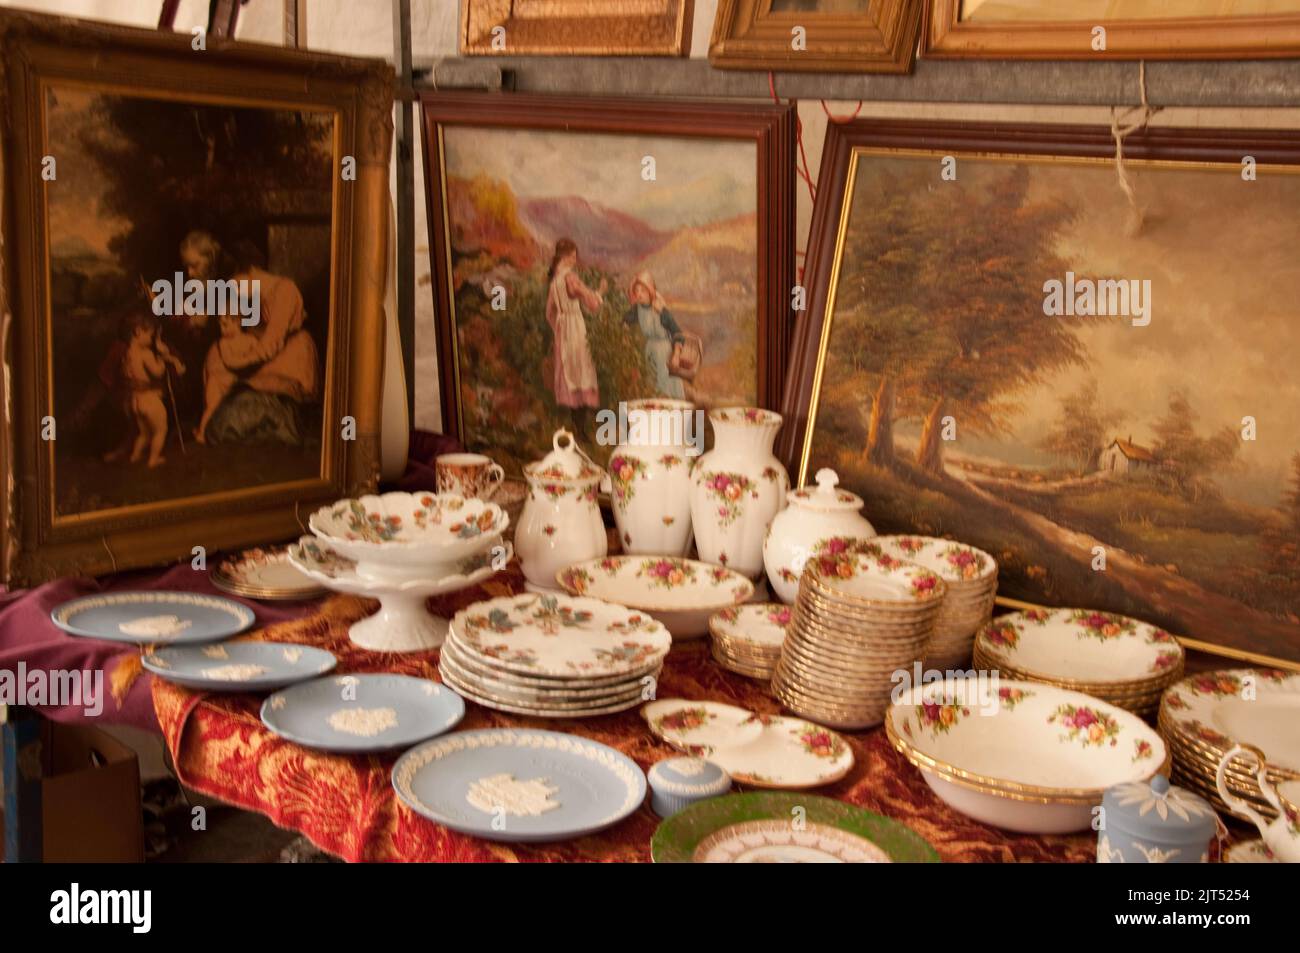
<point x="191" y="314"/>
<point x="819" y="36"/>
<point x="588" y="252"/>
<point x="1112" y="29"/>
<point x="576" y="27"/>
<point x="1003" y="349"/>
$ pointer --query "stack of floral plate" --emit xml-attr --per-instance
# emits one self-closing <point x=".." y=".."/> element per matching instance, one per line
<point x="858" y="619"/>
<point x="747" y="640"/>
<point x="1203" y="716"/>
<point x="972" y="578"/>
<point x="553" y="656"/>
<point x="1117" y="659"/>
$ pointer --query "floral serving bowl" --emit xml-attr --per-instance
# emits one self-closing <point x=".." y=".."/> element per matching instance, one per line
<point x="1021" y="755"/>
<point x="680" y="593"/>
<point x="409" y="535"/>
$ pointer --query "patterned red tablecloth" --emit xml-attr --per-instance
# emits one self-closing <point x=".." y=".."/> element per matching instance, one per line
<point x="346" y="805"/>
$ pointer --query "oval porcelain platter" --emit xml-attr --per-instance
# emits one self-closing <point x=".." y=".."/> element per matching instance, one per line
<point x="1080" y="645"/>
<point x="1021" y="755"/>
<point x="519" y="785"/>
<point x="681" y="593"/>
<point x="238" y="666"/>
<point x="362" y="712"/>
<point x="767" y="751"/>
<point x="560" y="636"/>
<point x="171" y="618"/>
<point x="1259" y="707"/>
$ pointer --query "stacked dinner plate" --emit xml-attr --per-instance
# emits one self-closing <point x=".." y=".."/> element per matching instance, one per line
<point x="1203" y="716"/>
<point x="972" y="579"/>
<point x="747" y="639"/>
<point x="553" y="656"/>
<point x="1124" y="661"/>
<point x="858" y="618"/>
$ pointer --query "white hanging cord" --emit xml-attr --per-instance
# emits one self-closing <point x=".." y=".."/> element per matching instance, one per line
<point x="1121" y="129"/>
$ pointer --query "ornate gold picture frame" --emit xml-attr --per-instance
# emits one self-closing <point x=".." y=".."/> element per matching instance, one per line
<point x="1133" y="29"/>
<point x="134" y="433"/>
<point x="816" y="36"/>
<point x="576" y="27"/>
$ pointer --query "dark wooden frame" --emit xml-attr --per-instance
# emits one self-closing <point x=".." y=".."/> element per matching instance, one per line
<point x="770" y="127"/>
<point x="1181" y="38"/>
<point x="748" y="35"/>
<point x="35" y="543"/>
<point x="1267" y="146"/>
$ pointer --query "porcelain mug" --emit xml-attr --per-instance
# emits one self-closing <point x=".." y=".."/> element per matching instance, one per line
<point x="1282" y="835"/>
<point x="470" y="475"/>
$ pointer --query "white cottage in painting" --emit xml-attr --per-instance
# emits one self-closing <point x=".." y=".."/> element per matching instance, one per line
<point x="1125" y="458"/>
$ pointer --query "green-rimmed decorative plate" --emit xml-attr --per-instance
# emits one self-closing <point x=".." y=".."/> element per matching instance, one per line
<point x="689" y="836"/>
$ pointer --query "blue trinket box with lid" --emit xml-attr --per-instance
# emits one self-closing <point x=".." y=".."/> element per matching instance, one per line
<point x="677" y="783"/>
<point x="1152" y="822"/>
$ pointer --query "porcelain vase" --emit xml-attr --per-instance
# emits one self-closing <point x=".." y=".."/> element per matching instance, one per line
<point x="737" y="488"/>
<point x="560" y="524"/>
<point x="650" y="478"/>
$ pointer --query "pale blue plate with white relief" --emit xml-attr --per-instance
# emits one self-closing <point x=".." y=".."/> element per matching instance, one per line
<point x="519" y="785"/>
<point x="239" y="666"/>
<point x="143" y="618"/>
<point x="361" y="713"/>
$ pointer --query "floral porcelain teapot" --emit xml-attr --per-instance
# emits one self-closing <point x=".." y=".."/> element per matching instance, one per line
<point x="560" y="524"/>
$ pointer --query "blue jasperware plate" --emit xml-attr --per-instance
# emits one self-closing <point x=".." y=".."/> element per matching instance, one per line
<point x="171" y="618"/>
<point x="239" y="666"/>
<point x="362" y="713"/>
<point x="520" y="785"/>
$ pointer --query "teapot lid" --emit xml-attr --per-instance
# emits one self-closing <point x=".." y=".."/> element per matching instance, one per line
<point x="826" y="496"/>
<point x="565" y="463"/>
<point x="1157" y="810"/>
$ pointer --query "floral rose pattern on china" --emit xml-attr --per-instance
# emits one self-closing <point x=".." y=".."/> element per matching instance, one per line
<point x="1166" y="661"/>
<point x="576" y="580"/>
<point x="1009" y="698"/>
<point x="819" y="742"/>
<point x="1103" y="625"/>
<point x="631" y="652"/>
<point x="730" y="490"/>
<point x="497" y="620"/>
<point x="940" y="715"/>
<point x="1004" y="634"/>
<point x="1038" y="616"/>
<point x="729" y="614"/>
<point x="965" y="562"/>
<point x="1083" y="722"/>
<point x="779" y="616"/>
<point x="475" y="525"/>
<point x="667" y="573"/>
<point x="551" y="617"/>
<point x="1142" y="749"/>
<point x="633" y="623"/>
<point x="837" y="555"/>
<point x="910" y="544"/>
<point x="685" y="719"/>
<point x="1218" y="684"/>
<point x="623" y="471"/>
<point x="924" y="584"/>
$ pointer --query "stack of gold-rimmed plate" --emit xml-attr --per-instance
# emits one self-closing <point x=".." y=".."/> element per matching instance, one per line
<point x="747" y="639"/>
<point x="1203" y="716"/>
<point x="1123" y="661"/>
<point x="859" y="617"/>
<point x="553" y="656"/>
<point x="972" y="579"/>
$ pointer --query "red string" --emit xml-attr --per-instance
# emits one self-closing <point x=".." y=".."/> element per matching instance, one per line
<point x="801" y="167"/>
<point x="841" y="119"/>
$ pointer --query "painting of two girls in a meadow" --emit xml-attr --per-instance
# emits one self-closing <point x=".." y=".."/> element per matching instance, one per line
<point x="588" y="270"/>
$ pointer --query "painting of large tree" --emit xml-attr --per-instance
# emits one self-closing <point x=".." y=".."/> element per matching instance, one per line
<point x="957" y="406"/>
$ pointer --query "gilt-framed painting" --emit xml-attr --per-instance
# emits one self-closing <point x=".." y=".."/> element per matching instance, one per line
<point x="1112" y="29"/>
<point x="817" y="36"/>
<point x="576" y="27"/>
<point x="588" y="252"/>
<point x="194" y="248"/>
<point x="1004" y="348"/>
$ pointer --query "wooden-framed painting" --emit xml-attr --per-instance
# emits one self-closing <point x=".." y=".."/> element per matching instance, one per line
<point x="194" y="246"/>
<point x="588" y="252"/>
<point x="819" y="36"/>
<point x="1000" y="349"/>
<point x="1112" y="29"/>
<point x="576" y="27"/>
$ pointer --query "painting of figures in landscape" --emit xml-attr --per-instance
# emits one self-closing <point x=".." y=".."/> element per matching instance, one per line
<point x="157" y="403"/>
<point x="1166" y="441"/>
<point x="588" y="269"/>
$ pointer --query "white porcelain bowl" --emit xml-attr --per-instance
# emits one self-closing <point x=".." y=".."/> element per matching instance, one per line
<point x="403" y="535"/>
<point x="1021" y="755"/>
<point x="680" y="593"/>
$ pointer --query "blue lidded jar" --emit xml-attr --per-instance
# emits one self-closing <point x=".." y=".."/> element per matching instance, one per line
<point x="1152" y="822"/>
<point x="677" y="783"/>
